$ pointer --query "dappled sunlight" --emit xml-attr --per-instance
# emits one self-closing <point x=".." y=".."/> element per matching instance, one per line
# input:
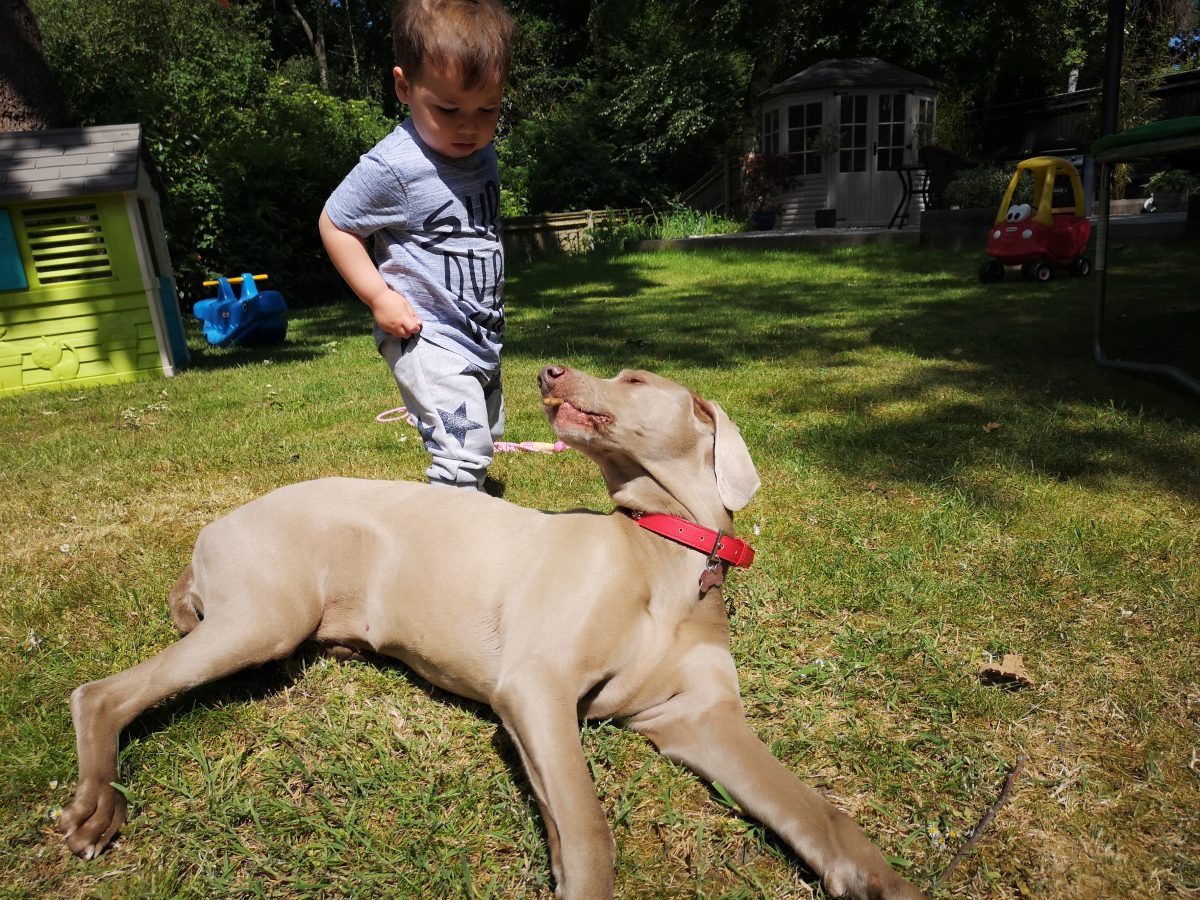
<point x="929" y="378"/>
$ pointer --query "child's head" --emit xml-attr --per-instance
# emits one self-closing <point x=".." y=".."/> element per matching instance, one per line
<point x="452" y="62"/>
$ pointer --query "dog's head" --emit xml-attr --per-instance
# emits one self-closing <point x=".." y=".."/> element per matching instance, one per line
<point x="661" y="447"/>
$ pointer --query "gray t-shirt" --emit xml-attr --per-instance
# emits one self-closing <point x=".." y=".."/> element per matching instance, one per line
<point x="436" y="223"/>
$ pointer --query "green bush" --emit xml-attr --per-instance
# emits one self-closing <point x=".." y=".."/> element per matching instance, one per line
<point x="978" y="188"/>
<point x="1172" y="181"/>
<point x="562" y="162"/>
<point x="679" y="221"/>
<point x="676" y="221"/>
<point x="274" y="175"/>
<point x="246" y="158"/>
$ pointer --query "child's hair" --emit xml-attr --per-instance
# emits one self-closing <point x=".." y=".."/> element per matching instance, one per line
<point x="472" y="37"/>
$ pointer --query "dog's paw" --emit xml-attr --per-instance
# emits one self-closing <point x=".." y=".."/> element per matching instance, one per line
<point x="92" y="819"/>
<point x="870" y="882"/>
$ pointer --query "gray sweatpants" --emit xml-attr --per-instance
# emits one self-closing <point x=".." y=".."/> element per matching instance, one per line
<point x="459" y="408"/>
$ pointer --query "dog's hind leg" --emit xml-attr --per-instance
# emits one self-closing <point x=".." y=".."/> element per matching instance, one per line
<point x="221" y="644"/>
<point x="184" y="604"/>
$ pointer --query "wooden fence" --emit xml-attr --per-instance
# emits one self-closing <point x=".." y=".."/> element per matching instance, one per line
<point x="528" y="237"/>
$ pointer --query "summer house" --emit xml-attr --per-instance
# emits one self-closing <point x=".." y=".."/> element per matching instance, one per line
<point x="853" y="127"/>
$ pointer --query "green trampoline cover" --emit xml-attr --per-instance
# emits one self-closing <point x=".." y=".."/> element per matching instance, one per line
<point x="1169" y="129"/>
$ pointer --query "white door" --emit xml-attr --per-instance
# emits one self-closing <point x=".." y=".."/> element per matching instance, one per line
<point x="853" y="170"/>
<point x="872" y="128"/>
<point x="891" y="123"/>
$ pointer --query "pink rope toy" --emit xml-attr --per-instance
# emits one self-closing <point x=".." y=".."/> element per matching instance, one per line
<point x="401" y="414"/>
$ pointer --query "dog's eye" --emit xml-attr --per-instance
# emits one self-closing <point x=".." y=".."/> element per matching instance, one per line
<point x="631" y="379"/>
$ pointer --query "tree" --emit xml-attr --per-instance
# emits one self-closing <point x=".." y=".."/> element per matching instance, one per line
<point x="316" y="40"/>
<point x="29" y="95"/>
<point x="247" y="155"/>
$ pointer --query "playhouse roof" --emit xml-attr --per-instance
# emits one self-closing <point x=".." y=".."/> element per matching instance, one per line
<point x="850" y="73"/>
<point x="71" y="162"/>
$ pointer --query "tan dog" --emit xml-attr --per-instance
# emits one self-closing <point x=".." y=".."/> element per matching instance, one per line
<point x="634" y="635"/>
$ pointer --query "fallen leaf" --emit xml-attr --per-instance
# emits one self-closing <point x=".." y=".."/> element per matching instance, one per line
<point x="1009" y="672"/>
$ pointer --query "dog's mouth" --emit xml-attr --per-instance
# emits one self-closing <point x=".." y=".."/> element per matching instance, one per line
<point x="565" y="414"/>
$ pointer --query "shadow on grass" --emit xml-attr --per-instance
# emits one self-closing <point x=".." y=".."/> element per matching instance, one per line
<point x="565" y="307"/>
<point x="309" y="330"/>
<point x="955" y="353"/>
<point x="259" y="683"/>
<point x="858" y="332"/>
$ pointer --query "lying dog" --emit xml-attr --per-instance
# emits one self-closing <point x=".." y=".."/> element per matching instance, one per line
<point x="641" y="635"/>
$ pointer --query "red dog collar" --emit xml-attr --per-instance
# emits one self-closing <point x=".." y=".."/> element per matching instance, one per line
<point x="716" y="545"/>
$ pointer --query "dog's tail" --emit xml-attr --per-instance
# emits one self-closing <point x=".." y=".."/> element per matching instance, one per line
<point x="187" y="609"/>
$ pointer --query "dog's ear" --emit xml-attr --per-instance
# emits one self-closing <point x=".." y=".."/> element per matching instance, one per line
<point x="737" y="479"/>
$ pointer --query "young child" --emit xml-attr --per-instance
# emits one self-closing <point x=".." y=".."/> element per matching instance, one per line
<point x="429" y="194"/>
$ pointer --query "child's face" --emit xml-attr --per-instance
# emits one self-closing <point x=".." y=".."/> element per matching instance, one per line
<point x="451" y="119"/>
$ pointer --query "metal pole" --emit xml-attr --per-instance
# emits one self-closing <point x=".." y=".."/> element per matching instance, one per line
<point x="1109" y="115"/>
<point x="1110" y="103"/>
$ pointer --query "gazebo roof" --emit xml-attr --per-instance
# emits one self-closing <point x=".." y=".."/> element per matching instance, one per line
<point x="850" y="73"/>
<point x="71" y="162"/>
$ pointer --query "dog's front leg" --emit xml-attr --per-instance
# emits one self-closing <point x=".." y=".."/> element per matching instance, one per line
<point x="545" y="729"/>
<point x="705" y="730"/>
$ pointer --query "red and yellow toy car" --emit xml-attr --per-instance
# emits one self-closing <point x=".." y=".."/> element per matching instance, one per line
<point x="1039" y="237"/>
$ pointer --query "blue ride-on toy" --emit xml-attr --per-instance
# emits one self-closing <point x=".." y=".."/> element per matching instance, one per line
<point x="253" y="319"/>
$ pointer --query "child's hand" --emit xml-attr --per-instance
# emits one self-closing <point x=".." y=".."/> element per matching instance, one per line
<point x="395" y="315"/>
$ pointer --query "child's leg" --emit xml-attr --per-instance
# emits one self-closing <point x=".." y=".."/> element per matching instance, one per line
<point x="493" y="397"/>
<point x="444" y="393"/>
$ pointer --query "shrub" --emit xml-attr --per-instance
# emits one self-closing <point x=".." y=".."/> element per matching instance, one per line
<point x="679" y="221"/>
<point x="246" y="157"/>
<point x="978" y="188"/>
<point x="273" y="177"/>
<point x="1172" y="181"/>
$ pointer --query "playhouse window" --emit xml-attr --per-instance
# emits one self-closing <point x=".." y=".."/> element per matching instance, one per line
<point x="893" y="116"/>
<point x="12" y="270"/>
<point x="770" y="131"/>
<point x="852" y="156"/>
<point x="804" y="136"/>
<point x="67" y="243"/>
<point x="924" y="130"/>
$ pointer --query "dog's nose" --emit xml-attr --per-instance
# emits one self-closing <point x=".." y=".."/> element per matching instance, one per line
<point x="549" y="375"/>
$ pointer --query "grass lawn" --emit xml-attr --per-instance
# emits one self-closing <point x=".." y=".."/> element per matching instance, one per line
<point x="947" y="478"/>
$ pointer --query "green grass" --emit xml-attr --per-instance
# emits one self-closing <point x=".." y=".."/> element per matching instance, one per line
<point x="947" y="477"/>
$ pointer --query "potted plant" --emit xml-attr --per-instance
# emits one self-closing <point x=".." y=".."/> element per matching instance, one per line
<point x="826" y="141"/>
<point x="764" y="177"/>
<point x="1169" y="189"/>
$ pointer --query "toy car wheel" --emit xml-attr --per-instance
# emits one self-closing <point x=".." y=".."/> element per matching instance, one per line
<point x="1037" y="271"/>
<point x="991" y="271"/>
<point x="1081" y="267"/>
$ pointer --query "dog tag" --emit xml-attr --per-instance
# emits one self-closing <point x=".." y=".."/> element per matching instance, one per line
<point x="712" y="576"/>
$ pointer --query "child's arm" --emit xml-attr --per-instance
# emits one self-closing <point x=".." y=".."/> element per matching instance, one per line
<point x="393" y="313"/>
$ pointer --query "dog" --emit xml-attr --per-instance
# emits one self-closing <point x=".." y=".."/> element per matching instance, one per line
<point x="548" y="618"/>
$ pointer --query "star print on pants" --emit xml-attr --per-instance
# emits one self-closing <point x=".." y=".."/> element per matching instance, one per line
<point x="426" y="433"/>
<point x="457" y="423"/>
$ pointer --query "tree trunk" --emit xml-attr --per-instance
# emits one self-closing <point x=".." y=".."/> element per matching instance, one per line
<point x="316" y="40"/>
<point x="358" y="85"/>
<point x="29" y="95"/>
<point x="761" y="78"/>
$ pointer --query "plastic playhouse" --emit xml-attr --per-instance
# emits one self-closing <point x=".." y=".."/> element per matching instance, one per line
<point x="252" y="319"/>
<point x="87" y="291"/>
<point x="1039" y="237"/>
